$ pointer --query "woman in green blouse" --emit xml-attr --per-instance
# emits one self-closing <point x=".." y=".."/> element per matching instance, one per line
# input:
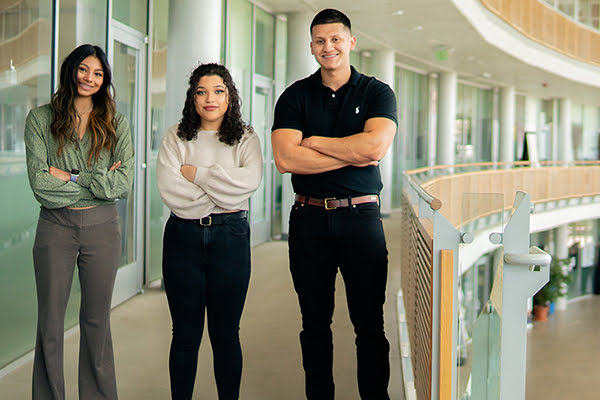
<point x="79" y="161"/>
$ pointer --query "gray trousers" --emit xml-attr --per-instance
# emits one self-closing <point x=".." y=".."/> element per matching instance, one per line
<point x="90" y="238"/>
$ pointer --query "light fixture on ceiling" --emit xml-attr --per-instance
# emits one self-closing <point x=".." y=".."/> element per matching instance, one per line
<point x="399" y="12"/>
<point x="486" y="75"/>
<point x="416" y="28"/>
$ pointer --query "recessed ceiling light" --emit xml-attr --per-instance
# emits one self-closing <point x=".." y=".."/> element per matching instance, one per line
<point x="399" y="12"/>
<point x="417" y="28"/>
<point x="486" y="75"/>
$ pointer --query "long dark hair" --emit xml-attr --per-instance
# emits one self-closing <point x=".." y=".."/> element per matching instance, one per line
<point x="101" y="122"/>
<point x="232" y="128"/>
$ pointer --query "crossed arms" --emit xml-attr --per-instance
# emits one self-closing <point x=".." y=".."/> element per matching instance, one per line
<point x="318" y="154"/>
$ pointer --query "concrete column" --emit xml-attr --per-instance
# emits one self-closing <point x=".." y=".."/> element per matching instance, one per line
<point x="561" y="251"/>
<point x="185" y="29"/>
<point x="300" y="64"/>
<point x="447" y="118"/>
<point x="432" y="131"/>
<point x="495" y="125"/>
<point x="565" y="134"/>
<point x="507" y="124"/>
<point x="531" y="114"/>
<point x="554" y="152"/>
<point x="383" y="69"/>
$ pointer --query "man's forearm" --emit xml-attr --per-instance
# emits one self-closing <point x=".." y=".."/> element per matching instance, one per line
<point x="351" y="149"/>
<point x="305" y="161"/>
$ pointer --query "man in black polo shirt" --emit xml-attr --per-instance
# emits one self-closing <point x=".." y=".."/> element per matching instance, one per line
<point x="330" y="131"/>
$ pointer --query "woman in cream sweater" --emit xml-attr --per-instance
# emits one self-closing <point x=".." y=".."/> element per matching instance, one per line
<point x="208" y="167"/>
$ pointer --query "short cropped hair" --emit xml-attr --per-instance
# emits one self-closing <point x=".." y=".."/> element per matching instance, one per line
<point x="331" y="16"/>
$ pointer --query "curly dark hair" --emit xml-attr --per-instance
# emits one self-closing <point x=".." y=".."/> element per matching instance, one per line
<point x="101" y="123"/>
<point x="232" y="128"/>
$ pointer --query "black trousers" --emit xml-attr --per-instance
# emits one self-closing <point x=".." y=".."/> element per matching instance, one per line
<point x="206" y="269"/>
<point x="350" y="239"/>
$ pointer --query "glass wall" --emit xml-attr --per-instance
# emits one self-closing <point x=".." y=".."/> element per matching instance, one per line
<point x="158" y="92"/>
<point x="586" y="12"/>
<point x="473" y="132"/>
<point x="81" y="21"/>
<point x="239" y="50"/>
<point x="133" y="13"/>
<point x="410" y="144"/>
<point x="25" y="80"/>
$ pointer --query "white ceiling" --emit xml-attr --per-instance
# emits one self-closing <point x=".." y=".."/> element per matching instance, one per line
<point x="429" y="25"/>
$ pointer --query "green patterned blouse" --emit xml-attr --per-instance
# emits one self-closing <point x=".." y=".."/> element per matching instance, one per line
<point x="96" y="184"/>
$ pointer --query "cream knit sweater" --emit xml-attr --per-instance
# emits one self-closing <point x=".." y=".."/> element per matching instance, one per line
<point x="225" y="179"/>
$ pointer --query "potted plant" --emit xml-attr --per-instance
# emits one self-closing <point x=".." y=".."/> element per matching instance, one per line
<point x="552" y="290"/>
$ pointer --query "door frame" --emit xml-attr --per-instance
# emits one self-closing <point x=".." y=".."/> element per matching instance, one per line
<point x="130" y="277"/>
<point x="261" y="231"/>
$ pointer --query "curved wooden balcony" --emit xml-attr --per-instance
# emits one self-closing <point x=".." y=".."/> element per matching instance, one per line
<point x="545" y="25"/>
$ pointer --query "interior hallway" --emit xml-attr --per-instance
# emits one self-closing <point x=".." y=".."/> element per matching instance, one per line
<point x="269" y="332"/>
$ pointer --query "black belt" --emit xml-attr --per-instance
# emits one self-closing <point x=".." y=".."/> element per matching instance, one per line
<point x="331" y="203"/>
<point x="213" y="219"/>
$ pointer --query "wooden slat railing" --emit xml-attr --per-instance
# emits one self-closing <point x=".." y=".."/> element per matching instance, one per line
<point x="417" y="288"/>
<point x="540" y="22"/>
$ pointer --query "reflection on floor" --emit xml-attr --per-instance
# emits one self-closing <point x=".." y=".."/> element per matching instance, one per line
<point x="269" y="332"/>
<point x="563" y="354"/>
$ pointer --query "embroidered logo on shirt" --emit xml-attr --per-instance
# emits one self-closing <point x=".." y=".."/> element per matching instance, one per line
<point x="357" y="110"/>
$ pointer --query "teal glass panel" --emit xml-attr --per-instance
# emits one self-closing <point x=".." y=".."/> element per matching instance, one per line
<point x="26" y="46"/>
<point x="80" y="22"/>
<point x="239" y="51"/>
<point x="158" y="105"/>
<point x="132" y="13"/>
<point x="265" y="31"/>
<point x="355" y="59"/>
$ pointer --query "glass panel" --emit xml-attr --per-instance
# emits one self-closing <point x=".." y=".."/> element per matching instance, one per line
<point x="158" y="104"/>
<point x="258" y="205"/>
<point x="80" y="22"/>
<point x="265" y="30"/>
<point x="480" y="303"/>
<point x="125" y="76"/>
<point x="355" y="59"/>
<point x="239" y="51"/>
<point x="25" y="45"/>
<point x="132" y="13"/>
<point x="280" y="84"/>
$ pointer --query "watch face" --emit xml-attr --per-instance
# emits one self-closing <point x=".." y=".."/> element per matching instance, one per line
<point x="75" y="171"/>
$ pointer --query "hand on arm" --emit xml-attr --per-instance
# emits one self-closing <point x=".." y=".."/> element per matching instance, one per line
<point x="292" y="156"/>
<point x="60" y="174"/>
<point x="188" y="172"/>
<point x="360" y="149"/>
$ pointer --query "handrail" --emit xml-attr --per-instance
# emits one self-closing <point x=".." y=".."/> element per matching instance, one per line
<point x="433" y="202"/>
<point x="546" y="183"/>
<point x="536" y="256"/>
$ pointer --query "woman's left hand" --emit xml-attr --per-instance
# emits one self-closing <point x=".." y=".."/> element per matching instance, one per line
<point x="188" y="172"/>
<point x="60" y="174"/>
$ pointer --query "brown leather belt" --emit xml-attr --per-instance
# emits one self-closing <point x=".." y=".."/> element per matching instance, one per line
<point x="331" y="203"/>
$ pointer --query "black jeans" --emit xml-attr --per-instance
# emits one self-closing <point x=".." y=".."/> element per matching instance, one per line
<point x="206" y="269"/>
<point x="320" y="242"/>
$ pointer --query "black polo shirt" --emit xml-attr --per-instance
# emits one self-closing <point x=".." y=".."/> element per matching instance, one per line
<point x="316" y="110"/>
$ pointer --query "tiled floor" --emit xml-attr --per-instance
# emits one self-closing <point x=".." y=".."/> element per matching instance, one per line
<point x="269" y="333"/>
<point x="563" y="354"/>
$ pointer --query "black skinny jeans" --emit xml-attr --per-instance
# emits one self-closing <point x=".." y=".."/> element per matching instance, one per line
<point x="320" y="242"/>
<point x="206" y="269"/>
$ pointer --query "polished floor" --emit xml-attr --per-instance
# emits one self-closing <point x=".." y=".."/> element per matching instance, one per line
<point x="563" y="354"/>
<point x="269" y="333"/>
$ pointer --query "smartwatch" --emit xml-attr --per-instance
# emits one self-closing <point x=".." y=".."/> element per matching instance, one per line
<point x="74" y="175"/>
